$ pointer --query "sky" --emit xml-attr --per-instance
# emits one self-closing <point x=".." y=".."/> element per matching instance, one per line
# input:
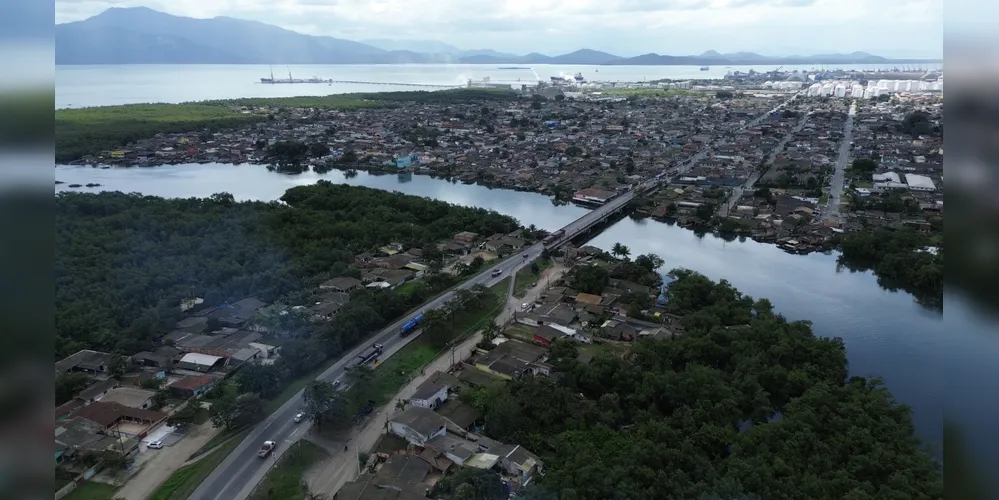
<point x="891" y="28"/>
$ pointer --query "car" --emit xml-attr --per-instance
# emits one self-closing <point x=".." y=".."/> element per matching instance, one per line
<point x="378" y="346"/>
<point x="299" y="418"/>
<point x="155" y="445"/>
<point x="525" y="255"/>
<point x="336" y="383"/>
<point x="497" y="272"/>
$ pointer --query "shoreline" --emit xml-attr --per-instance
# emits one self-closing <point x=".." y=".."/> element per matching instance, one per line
<point x="789" y="244"/>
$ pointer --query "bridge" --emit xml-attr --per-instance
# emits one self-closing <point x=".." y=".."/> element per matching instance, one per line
<point x="240" y="472"/>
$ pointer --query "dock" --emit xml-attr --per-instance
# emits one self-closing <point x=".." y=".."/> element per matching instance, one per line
<point x="357" y="82"/>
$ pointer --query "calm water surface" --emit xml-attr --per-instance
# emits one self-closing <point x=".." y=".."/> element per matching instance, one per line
<point x="102" y="85"/>
<point x="887" y="334"/>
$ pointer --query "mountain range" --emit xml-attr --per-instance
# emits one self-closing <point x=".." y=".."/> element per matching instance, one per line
<point x="140" y="35"/>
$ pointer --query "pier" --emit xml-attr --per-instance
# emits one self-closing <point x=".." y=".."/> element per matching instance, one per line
<point x="356" y="82"/>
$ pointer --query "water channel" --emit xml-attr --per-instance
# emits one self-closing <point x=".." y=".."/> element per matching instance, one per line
<point x="887" y="333"/>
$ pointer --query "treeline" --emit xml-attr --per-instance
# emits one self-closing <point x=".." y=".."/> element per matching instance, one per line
<point x="124" y="262"/>
<point x="744" y="405"/>
<point x="902" y="259"/>
<point x="84" y="131"/>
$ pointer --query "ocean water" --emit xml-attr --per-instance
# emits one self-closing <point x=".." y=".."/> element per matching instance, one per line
<point x="83" y="86"/>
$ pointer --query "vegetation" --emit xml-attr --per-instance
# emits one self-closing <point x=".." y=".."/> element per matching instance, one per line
<point x="284" y="481"/>
<point x="92" y="490"/>
<point x="182" y="483"/>
<point x="744" y="405"/>
<point x="901" y="259"/>
<point x="529" y="275"/>
<point x="469" y="483"/>
<point x="125" y="262"/>
<point x="91" y="130"/>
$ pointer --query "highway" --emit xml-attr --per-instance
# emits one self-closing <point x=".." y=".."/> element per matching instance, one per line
<point x="842" y="161"/>
<point x="240" y="472"/>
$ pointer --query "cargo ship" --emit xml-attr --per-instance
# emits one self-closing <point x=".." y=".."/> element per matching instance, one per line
<point x="273" y="80"/>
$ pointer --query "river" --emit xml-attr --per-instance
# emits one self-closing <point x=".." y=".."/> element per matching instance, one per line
<point x="886" y="333"/>
<point x="81" y="86"/>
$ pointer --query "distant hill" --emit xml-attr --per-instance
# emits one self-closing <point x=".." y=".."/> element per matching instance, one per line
<point x="141" y="35"/>
<point x="122" y="36"/>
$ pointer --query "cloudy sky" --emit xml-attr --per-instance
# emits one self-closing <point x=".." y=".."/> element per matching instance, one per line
<point x="893" y="28"/>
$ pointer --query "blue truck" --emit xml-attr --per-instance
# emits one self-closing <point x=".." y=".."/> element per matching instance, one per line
<point x="411" y="325"/>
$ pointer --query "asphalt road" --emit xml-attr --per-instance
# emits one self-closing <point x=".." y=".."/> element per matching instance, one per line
<point x="239" y="473"/>
<point x="842" y="161"/>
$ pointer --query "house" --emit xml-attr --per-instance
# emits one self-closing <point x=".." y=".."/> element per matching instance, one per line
<point x="518" y="462"/>
<point x="401" y="477"/>
<point x="341" y="284"/>
<point x="94" y="363"/>
<point x="237" y="313"/>
<point x="95" y="392"/>
<point x="430" y="394"/>
<point x="557" y="313"/>
<point x="132" y="397"/>
<point x="199" y="362"/>
<point x="188" y="387"/>
<point x="109" y="415"/>
<point x="588" y="298"/>
<point x="80" y="435"/>
<point x="163" y="357"/>
<point x="513" y="358"/>
<point x="418" y="425"/>
<point x="466" y="237"/>
<point x="460" y="414"/>
<point x="618" y="330"/>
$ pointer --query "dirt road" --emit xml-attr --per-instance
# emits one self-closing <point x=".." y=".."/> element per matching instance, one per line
<point x="327" y="477"/>
<point x="165" y="462"/>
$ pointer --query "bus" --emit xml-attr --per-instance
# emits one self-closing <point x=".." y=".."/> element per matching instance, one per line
<point x="411" y="325"/>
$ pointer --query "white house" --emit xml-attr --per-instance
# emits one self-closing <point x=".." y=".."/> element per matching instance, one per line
<point x="430" y="394"/>
<point x="919" y="183"/>
<point x="418" y="425"/>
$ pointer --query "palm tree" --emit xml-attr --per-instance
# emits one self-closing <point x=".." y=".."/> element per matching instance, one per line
<point x="620" y="250"/>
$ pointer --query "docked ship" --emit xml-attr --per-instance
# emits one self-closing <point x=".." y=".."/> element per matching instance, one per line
<point x="704" y="68"/>
<point x="273" y="80"/>
<point x="578" y="78"/>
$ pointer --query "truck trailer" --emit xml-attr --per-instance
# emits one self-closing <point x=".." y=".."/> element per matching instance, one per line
<point x="411" y="325"/>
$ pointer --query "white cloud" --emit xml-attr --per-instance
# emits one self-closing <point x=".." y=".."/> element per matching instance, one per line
<point x="902" y="28"/>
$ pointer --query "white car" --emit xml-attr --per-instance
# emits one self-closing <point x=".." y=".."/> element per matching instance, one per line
<point x="155" y="445"/>
<point x="299" y="418"/>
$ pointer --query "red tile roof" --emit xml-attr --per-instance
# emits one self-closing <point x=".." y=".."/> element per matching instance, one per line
<point x="193" y="383"/>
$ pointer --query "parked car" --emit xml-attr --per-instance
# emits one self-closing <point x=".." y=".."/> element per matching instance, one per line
<point x="155" y="445"/>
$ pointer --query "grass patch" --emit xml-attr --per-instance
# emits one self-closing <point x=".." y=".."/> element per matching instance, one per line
<point x="396" y="371"/>
<point x="527" y="276"/>
<point x="864" y="184"/>
<point x="520" y="332"/>
<point x="284" y="481"/>
<point x="185" y="480"/>
<point x="92" y="490"/>
<point x="824" y="199"/>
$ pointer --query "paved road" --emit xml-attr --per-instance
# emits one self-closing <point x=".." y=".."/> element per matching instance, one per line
<point x="842" y="161"/>
<point x="240" y="472"/>
<point x="736" y="195"/>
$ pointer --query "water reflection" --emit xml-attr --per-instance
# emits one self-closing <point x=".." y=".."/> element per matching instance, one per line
<point x="886" y="332"/>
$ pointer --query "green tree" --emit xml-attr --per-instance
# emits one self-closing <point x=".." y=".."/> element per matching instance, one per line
<point x="186" y="416"/>
<point x="620" y="250"/>
<point x="67" y="385"/>
<point x="258" y="378"/>
<point x="650" y="262"/>
<point x="589" y="279"/>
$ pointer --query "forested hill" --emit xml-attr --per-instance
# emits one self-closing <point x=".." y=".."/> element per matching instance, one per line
<point x="744" y="405"/>
<point x="124" y="262"/>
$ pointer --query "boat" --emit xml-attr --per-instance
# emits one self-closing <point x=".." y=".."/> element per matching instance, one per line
<point x="704" y="68"/>
<point x="513" y="67"/>
<point x="273" y="80"/>
<point x="579" y="78"/>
